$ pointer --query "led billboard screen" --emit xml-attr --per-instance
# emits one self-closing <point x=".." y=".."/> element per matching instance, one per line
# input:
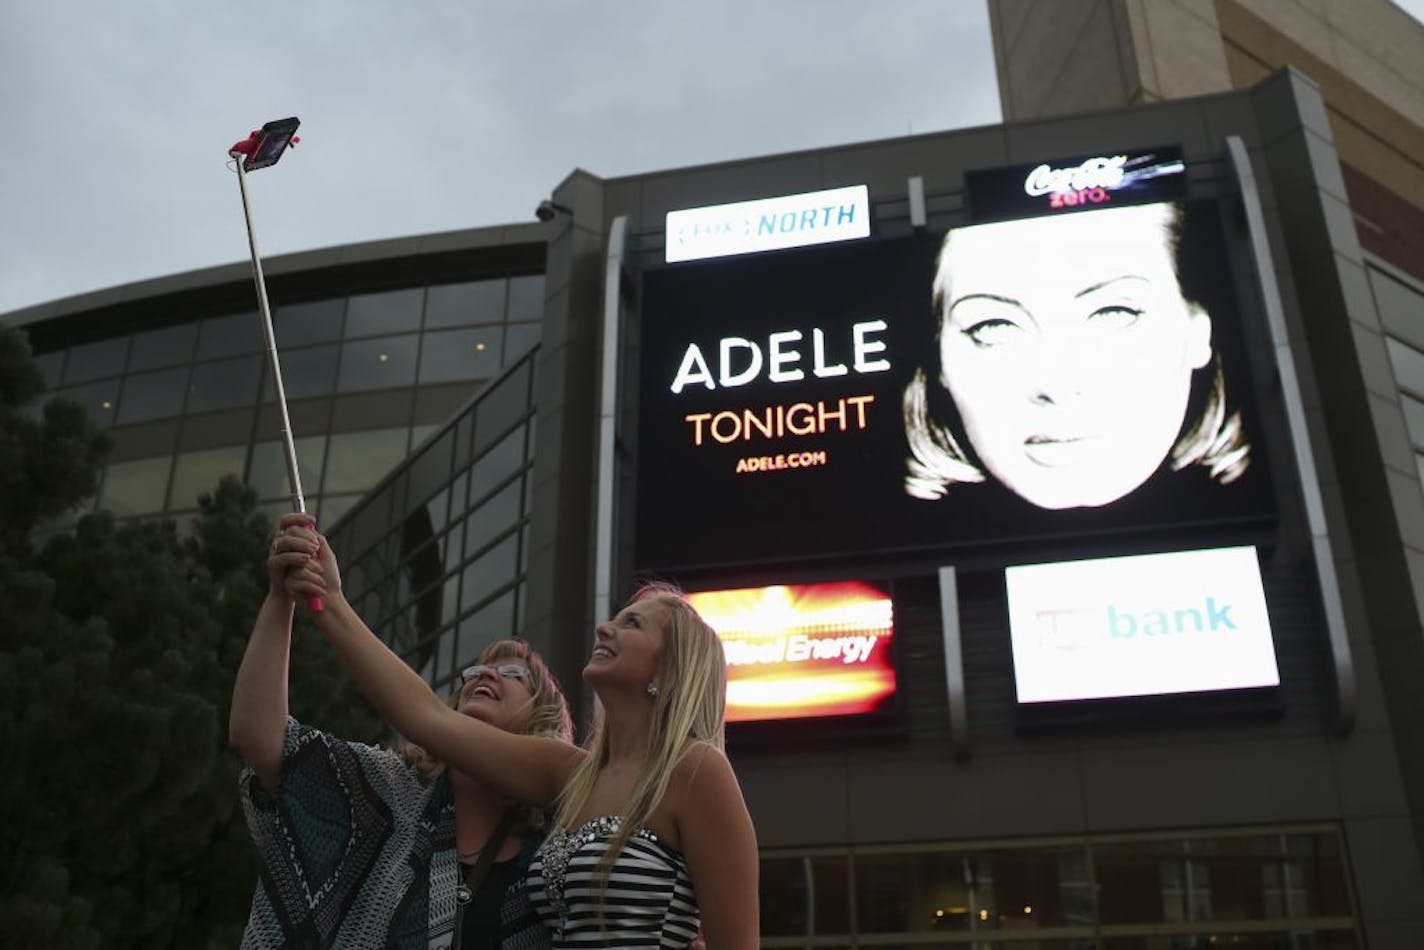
<point x="1006" y="383"/>
<point x="796" y="652"/>
<point x="1148" y="625"/>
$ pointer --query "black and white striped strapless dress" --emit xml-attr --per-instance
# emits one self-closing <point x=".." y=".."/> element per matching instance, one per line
<point x="648" y="903"/>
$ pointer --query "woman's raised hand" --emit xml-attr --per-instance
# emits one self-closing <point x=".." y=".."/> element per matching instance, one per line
<point x="294" y="545"/>
<point x="315" y="574"/>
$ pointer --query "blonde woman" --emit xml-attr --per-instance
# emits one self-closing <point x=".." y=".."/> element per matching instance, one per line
<point x="651" y="837"/>
<point x="361" y="846"/>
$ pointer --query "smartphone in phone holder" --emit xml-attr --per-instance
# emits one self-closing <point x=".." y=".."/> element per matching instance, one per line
<point x="270" y="142"/>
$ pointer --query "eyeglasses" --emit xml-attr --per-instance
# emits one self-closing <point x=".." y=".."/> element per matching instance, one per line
<point x="509" y="671"/>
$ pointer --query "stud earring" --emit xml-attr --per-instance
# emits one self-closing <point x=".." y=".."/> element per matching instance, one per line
<point x="653" y="689"/>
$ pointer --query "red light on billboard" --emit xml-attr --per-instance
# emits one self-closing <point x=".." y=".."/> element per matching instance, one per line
<point x="795" y="652"/>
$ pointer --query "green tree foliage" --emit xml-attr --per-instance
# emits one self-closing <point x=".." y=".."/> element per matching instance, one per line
<point x="121" y="821"/>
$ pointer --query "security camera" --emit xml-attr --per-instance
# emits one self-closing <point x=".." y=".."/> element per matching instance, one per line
<point x="548" y="209"/>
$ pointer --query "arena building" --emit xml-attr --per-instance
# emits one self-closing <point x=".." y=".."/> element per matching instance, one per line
<point x="1140" y="675"/>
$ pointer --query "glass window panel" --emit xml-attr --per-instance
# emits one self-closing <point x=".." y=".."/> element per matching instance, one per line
<point x="267" y="472"/>
<point x="357" y="460"/>
<point x="418" y="434"/>
<point x="1130" y="882"/>
<point x="229" y="335"/>
<point x="136" y="488"/>
<point x="1304" y="875"/>
<point x="224" y="384"/>
<point x="98" y="399"/>
<point x="444" y="656"/>
<point x="1408" y="364"/>
<point x="1253" y="940"/>
<point x="1230" y="878"/>
<point x="96" y="360"/>
<point x="458" y="498"/>
<point x="501" y="407"/>
<point x="526" y="297"/>
<point x="420" y="571"/>
<point x="1399" y="305"/>
<point x="492" y="518"/>
<point x="166" y="346"/>
<point x="153" y="395"/>
<point x="1413" y="418"/>
<point x="518" y="338"/>
<point x="494" y="621"/>
<point x="804" y="896"/>
<point x="966" y="891"/>
<point x="309" y="371"/>
<point x="274" y="510"/>
<point x="375" y="571"/>
<point x="450" y="598"/>
<point x="394" y="311"/>
<point x="437" y="509"/>
<point x="503" y="459"/>
<point x="318" y="321"/>
<point x="462" y="439"/>
<point x="453" y="547"/>
<point x="450" y="355"/>
<point x="453" y="305"/>
<point x="51" y="365"/>
<point x="429" y="471"/>
<point x="196" y="473"/>
<point x="378" y="364"/>
<point x="489" y="572"/>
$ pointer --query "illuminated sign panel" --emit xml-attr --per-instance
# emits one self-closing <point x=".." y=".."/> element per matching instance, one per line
<point x="768" y="224"/>
<point x="1082" y="183"/>
<point x="1003" y="384"/>
<point x="796" y="652"/>
<point x="1150" y="625"/>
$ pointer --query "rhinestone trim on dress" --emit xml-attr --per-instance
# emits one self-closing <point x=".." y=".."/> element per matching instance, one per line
<point x="560" y="847"/>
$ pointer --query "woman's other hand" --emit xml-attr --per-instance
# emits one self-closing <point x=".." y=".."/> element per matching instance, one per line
<point x="292" y="548"/>
<point x="318" y="574"/>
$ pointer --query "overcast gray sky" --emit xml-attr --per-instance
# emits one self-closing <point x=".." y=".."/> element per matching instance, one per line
<point x="423" y="115"/>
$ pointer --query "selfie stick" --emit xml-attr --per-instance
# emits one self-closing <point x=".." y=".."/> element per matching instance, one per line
<point x="258" y="150"/>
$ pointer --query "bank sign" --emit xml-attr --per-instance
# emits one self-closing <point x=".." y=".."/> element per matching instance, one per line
<point x="768" y="224"/>
<point x="1149" y="625"/>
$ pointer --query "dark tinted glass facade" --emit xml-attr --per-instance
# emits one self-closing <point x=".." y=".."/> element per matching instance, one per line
<point x="358" y="371"/>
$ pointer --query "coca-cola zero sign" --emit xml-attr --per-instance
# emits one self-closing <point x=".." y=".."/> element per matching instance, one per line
<point x="1081" y="183"/>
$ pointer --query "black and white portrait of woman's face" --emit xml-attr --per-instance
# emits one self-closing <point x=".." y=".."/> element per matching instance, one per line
<point x="1068" y="350"/>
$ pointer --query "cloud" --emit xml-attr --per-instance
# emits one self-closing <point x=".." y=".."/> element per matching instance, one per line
<point x="424" y="116"/>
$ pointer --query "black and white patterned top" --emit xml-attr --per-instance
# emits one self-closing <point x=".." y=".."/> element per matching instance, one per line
<point x="355" y="851"/>
<point x="648" y="902"/>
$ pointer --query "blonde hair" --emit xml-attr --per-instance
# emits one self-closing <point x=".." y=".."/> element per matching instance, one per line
<point x="1215" y="438"/>
<point x="688" y="711"/>
<point x="549" y="715"/>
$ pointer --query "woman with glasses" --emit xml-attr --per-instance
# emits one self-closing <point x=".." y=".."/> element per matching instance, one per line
<point x="361" y="846"/>
<point x="651" y="838"/>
